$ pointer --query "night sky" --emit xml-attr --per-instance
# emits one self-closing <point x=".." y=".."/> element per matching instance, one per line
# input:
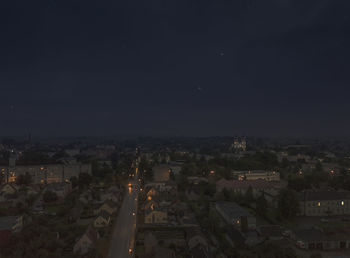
<point x="175" y="67"/>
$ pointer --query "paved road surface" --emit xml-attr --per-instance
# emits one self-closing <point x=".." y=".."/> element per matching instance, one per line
<point x="125" y="226"/>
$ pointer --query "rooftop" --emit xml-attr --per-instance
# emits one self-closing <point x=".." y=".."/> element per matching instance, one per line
<point x="258" y="183"/>
<point x="6" y="223"/>
<point x="232" y="209"/>
<point x="326" y="195"/>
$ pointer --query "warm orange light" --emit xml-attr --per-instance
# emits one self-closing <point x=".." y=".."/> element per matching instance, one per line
<point x="149" y="198"/>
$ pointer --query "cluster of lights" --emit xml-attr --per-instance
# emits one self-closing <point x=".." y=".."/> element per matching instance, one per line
<point x="342" y="203"/>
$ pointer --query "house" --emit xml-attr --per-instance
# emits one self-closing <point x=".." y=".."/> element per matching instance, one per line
<point x="109" y="206"/>
<point x="324" y="203"/>
<point x="114" y="189"/>
<point x="9" y="225"/>
<point x="192" y="194"/>
<point x="87" y="241"/>
<point x="197" y="243"/>
<point x="61" y="189"/>
<point x="162" y="186"/>
<point x="151" y="192"/>
<point x="8" y="189"/>
<point x="152" y="204"/>
<point x="102" y="220"/>
<point x="236" y="216"/>
<point x="317" y="239"/>
<point x="156" y="216"/>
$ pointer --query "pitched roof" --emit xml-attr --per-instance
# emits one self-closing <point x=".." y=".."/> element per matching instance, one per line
<point x="104" y="215"/>
<point x="326" y="195"/>
<point x="270" y="230"/>
<point x="311" y="234"/>
<point x="111" y="203"/>
<point x="92" y="234"/>
<point x="238" y="184"/>
<point x="233" y="210"/>
<point x="6" y="223"/>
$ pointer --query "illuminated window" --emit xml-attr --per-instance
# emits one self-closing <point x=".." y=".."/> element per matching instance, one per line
<point x="318" y="204"/>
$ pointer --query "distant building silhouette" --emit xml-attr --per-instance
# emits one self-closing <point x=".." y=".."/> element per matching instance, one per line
<point x="239" y="144"/>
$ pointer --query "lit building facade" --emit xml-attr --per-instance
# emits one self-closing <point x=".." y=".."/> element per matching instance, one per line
<point x="325" y="203"/>
<point x="239" y="144"/>
<point x="52" y="173"/>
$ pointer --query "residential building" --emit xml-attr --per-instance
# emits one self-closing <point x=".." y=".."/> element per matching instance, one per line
<point x="235" y="215"/>
<point x="156" y="216"/>
<point x="197" y="243"/>
<point x="52" y="173"/>
<point x="109" y="206"/>
<point x="102" y="220"/>
<point x="8" y="189"/>
<point x="87" y="241"/>
<point x="257" y="174"/>
<point x="270" y="232"/>
<point x="258" y="186"/>
<point x="317" y="239"/>
<point x="325" y="203"/>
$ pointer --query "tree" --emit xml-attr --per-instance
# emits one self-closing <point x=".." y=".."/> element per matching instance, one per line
<point x="75" y="182"/>
<point x="2" y="177"/>
<point x="33" y="158"/>
<point x="24" y="179"/>
<point x="244" y="224"/>
<point x="288" y="203"/>
<point x="84" y="180"/>
<point x="171" y="175"/>
<point x="50" y="196"/>
<point x="261" y="205"/>
<point x="248" y="196"/>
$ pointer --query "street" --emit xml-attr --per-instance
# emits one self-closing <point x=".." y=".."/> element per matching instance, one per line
<point x="124" y="231"/>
